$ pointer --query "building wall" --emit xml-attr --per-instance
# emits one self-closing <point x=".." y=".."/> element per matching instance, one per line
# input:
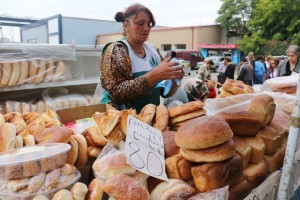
<point x="84" y="31"/>
<point x="38" y="34"/>
<point x="190" y="36"/>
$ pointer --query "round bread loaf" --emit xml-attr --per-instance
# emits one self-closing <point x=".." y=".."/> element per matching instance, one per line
<point x="203" y="132"/>
<point x="213" y="154"/>
<point x="171" y="148"/>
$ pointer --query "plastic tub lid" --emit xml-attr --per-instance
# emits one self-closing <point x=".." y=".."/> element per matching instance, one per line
<point x="32" y="153"/>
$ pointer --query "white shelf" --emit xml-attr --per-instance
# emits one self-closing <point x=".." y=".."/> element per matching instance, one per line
<point x="90" y="80"/>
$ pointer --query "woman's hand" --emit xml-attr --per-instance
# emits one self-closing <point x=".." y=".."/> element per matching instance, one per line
<point x="166" y="70"/>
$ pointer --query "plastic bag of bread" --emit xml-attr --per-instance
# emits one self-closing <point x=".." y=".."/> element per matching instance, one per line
<point x="217" y="194"/>
<point x="111" y="161"/>
<point x="287" y="84"/>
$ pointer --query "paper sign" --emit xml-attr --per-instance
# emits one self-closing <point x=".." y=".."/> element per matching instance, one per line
<point x="144" y="148"/>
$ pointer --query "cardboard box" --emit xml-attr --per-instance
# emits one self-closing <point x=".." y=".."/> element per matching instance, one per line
<point x="72" y="114"/>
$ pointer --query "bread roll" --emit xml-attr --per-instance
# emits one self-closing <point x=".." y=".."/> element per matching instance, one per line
<point x="41" y="72"/>
<point x="203" y="132"/>
<point x="82" y="158"/>
<point x="185" y="108"/>
<point x="170" y="146"/>
<point x="95" y="191"/>
<point x="256" y="173"/>
<point x="51" y="119"/>
<point x="7" y="137"/>
<point x="6" y="74"/>
<point x="263" y="107"/>
<point x="179" y="168"/>
<point x="173" y="189"/>
<point x="94" y="152"/>
<point x="63" y="195"/>
<point x="79" y="191"/>
<point x="67" y="169"/>
<point x="16" y="71"/>
<point x="56" y="134"/>
<point x="212" y="154"/>
<point x="50" y="71"/>
<point x="28" y="140"/>
<point x="60" y="72"/>
<point x="210" y="176"/>
<point x="36" y="182"/>
<point x="258" y="149"/>
<point x="51" y="180"/>
<point x="33" y="70"/>
<point x="96" y="136"/>
<point x="161" y="118"/>
<point x="17" y="184"/>
<point x="187" y="116"/>
<point x="35" y="122"/>
<point x="24" y="65"/>
<point x="16" y="119"/>
<point x="19" y="141"/>
<point x="243" y="149"/>
<point x="148" y="113"/>
<point x="73" y="154"/>
<point x="26" y="107"/>
<point x="121" y="186"/>
<point x="242" y="123"/>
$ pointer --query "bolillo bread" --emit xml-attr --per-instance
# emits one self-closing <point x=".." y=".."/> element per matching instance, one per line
<point x="79" y="191"/>
<point x="95" y="191"/>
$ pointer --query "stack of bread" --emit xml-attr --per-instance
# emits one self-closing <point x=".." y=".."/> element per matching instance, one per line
<point x="32" y="72"/>
<point x="286" y="84"/>
<point x="234" y="87"/>
<point x="183" y="113"/>
<point x="260" y="143"/>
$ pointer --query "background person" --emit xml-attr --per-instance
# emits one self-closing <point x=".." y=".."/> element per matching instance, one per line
<point x="246" y="72"/>
<point x="204" y="70"/>
<point x="131" y="68"/>
<point x="259" y="71"/>
<point x="272" y="72"/>
<point x="292" y="64"/>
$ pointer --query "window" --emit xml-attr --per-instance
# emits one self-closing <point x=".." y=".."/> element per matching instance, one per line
<point x="180" y="46"/>
<point x="166" y="47"/>
<point x="194" y="55"/>
<point x="32" y="41"/>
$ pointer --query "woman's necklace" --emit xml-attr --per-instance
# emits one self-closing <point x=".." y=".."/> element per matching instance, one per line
<point x="141" y="54"/>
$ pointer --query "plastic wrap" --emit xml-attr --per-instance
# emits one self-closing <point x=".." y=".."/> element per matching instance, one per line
<point x="287" y="84"/>
<point x="217" y="194"/>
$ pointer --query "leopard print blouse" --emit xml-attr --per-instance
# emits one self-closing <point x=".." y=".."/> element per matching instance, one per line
<point x="117" y="77"/>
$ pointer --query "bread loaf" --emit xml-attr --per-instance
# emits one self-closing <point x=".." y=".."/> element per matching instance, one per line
<point x="263" y="107"/>
<point x="203" y="132"/>
<point x="271" y="138"/>
<point x="41" y="72"/>
<point x="185" y="108"/>
<point x="15" y="75"/>
<point x="73" y="153"/>
<point x="56" y="134"/>
<point x="79" y="191"/>
<point x="106" y="122"/>
<point x="240" y="190"/>
<point x="148" y="113"/>
<point x="242" y="123"/>
<point x="191" y="115"/>
<point x="256" y="173"/>
<point x="49" y="71"/>
<point x="243" y="149"/>
<point x="179" y="168"/>
<point x="161" y="118"/>
<point x="210" y="176"/>
<point x="7" y="137"/>
<point x="212" y="154"/>
<point x="6" y="74"/>
<point x="33" y="70"/>
<point x="170" y="146"/>
<point x="24" y="65"/>
<point x="82" y="158"/>
<point x="275" y="161"/>
<point x="60" y="72"/>
<point x="258" y="149"/>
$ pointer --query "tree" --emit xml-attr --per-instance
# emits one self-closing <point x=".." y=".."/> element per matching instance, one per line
<point x="234" y="16"/>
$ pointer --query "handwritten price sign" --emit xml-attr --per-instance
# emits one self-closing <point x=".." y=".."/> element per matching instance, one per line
<point x="144" y="148"/>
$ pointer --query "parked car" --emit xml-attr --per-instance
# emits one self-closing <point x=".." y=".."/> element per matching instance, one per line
<point x="216" y="59"/>
<point x="193" y="56"/>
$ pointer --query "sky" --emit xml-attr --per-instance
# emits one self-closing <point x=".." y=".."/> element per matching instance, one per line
<point x="173" y="13"/>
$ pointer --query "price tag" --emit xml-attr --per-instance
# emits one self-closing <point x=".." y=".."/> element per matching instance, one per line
<point x="144" y="148"/>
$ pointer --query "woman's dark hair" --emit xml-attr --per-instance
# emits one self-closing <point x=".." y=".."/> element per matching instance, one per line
<point x="210" y="62"/>
<point x="134" y="10"/>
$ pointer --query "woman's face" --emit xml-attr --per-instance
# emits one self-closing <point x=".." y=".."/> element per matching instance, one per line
<point x="138" y="27"/>
<point x="272" y="64"/>
<point x="293" y="58"/>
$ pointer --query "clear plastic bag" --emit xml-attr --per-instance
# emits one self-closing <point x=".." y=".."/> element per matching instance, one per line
<point x="287" y="84"/>
<point x="217" y="194"/>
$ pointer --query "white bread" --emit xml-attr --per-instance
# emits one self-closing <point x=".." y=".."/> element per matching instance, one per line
<point x="7" y="137"/>
<point x="79" y="191"/>
<point x="258" y="149"/>
<point x="73" y="153"/>
<point x="148" y="113"/>
<point x="6" y="74"/>
<point x="95" y="191"/>
<point x="60" y="72"/>
<point x="24" y="65"/>
<point x="50" y="71"/>
<point x="82" y="158"/>
<point x="41" y="72"/>
<point x="15" y="75"/>
<point x="33" y="70"/>
<point x="63" y="195"/>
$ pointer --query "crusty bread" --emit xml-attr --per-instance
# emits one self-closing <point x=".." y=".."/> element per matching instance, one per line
<point x="271" y="138"/>
<point x="82" y="158"/>
<point x="24" y="65"/>
<point x="15" y="75"/>
<point x="210" y="176"/>
<point x="35" y="123"/>
<point x="56" y="134"/>
<point x="79" y="191"/>
<point x="106" y="122"/>
<point x="240" y="190"/>
<point x="241" y="122"/>
<point x="73" y="153"/>
<point x="185" y="108"/>
<point x="256" y="173"/>
<point x="116" y="135"/>
<point x="263" y="107"/>
<point x="16" y="119"/>
<point x="179" y="168"/>
<point x="203" y="132"/>
<point x="212" y="154"/>
<point x="97" y="138"/>
<point x="275" y="161"/>
<point x="187" y="116"/>
<point x="95" y="191"/>
<point x="63" y="195"/>
<point x="170" y="146"/>
<point x="41" y="72"/>
<point x="123" y="118"/>
<point x="243" y="148"/>
<point x="6" y="74"/>
<point x="173" y="189"/>
<point x="148" y="113"/>
<point x="7" y="137"/>
<point x="258" y="149"/>
<point x="33" y="70"/>
<point x="161" y="118"/>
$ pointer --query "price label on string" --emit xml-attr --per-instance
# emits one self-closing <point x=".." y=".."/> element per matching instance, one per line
<point x="144" y="148"/>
